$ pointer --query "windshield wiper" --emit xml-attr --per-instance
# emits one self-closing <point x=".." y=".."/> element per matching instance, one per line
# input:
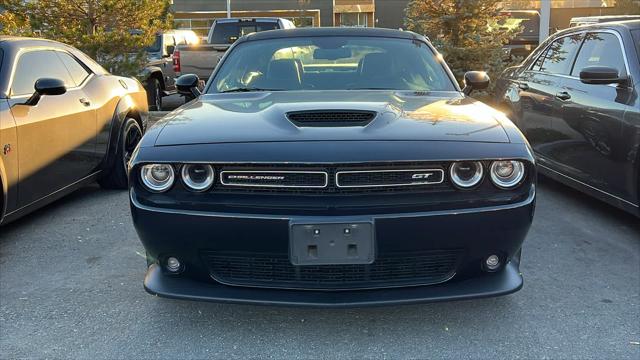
<point x="249" y="89"/>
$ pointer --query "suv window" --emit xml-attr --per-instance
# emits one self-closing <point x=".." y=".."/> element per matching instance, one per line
<point x="34" y="65"/>
<point x="600" y="49"/>
<point x="559" y="56"/>
<point x="77" y="71"/>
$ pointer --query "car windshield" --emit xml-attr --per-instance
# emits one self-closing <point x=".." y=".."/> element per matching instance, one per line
<point x="332" y="63"/>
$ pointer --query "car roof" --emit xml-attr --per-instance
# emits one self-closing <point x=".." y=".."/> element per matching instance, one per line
<point x="20" y="41"/>
<point x="256" y="19"/>
<point x="605" y="17"/>
<point x="332" y="31"/>
<point x="626" y="24"/>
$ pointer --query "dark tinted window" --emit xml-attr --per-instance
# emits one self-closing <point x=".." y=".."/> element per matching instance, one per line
<point x="34" y="65"/>
<point x="155" y="47"/>
<point x="636" y="39"/>
<point x="600" y="49"/>
<point x="226" y="33"/>
<point x="77" y="71"/>
<point x="559" y="56"/>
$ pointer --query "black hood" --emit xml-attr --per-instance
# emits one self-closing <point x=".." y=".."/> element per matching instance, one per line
<point x="262" y="117"/>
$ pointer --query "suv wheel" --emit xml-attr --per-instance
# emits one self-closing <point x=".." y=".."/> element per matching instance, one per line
<point x="154" y="94"/>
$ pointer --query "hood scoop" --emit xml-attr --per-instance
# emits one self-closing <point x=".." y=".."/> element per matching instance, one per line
<point x="331" y="118"/>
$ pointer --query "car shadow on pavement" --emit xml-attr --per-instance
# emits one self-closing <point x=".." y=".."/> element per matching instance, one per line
<point x="584" y="204"/>
<point x="50" y="211"/>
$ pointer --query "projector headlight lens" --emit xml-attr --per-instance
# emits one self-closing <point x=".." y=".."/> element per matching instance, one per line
<point x="507" y="174"/>
<point x="198" y="177"/>
<point x="157" y="177"/>
<point x="466" y="174"/>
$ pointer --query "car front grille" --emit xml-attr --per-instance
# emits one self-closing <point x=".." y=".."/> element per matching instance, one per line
<point x="333" y="178"/>
<point x="276" y="271"/>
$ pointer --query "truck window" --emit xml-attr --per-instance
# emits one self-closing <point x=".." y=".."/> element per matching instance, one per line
<point x="229" y="32"/>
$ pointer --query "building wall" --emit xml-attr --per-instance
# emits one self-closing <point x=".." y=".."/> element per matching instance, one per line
<point x="325" y="7"/>
<point x="390" y="13"/>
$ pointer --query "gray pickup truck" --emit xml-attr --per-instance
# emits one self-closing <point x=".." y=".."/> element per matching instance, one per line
<point x="158" y="75"/>
<point x="202" y="59"/>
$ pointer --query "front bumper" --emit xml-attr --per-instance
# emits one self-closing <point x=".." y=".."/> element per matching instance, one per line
<point x="479" y="232"/>
<point x="504" y="282"/>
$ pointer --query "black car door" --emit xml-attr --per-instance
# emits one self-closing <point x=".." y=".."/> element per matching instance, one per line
<point x="56" y="137"/>
<point x="540" y="93"/>
<point x="594" y="149"/>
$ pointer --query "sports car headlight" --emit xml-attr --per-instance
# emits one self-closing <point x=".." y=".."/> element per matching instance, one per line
<point x="466" y="174"/>
<point x="197" y="177"/>
<point x="507" y="174"/>
<point x="157" y="177"/>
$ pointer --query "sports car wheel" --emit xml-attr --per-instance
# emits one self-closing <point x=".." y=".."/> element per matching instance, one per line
<point x="116" y="177"/>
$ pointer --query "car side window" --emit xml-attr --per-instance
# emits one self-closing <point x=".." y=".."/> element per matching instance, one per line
<point x="77" y="71"/>
<point x="559" y="56"/>
<point x="600" y="49"/>
<point x="34" y="65"/>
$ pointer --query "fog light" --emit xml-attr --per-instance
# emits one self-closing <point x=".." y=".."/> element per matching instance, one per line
<point x="173" y="264"/>
<point x="492" y="262"/>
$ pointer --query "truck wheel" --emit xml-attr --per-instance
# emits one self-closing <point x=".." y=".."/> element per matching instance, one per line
<point x="116" y="177"/>
<point x="154" y="94"/>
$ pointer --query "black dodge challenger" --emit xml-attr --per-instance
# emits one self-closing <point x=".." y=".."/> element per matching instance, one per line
<point x="332" y="167"/>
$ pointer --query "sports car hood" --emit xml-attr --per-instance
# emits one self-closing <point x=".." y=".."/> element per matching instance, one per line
<point x="262" y="117"/>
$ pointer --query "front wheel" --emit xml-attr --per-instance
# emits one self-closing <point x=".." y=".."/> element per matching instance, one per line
<point x="154" y="94"/>
<point x="116" y="176"/>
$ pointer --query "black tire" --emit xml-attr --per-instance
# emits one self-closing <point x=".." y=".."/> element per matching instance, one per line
<point x="116" y="176"/>
<point x="154" y="94"/>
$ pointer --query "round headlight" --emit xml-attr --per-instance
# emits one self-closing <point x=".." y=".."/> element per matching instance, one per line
<point x="466" y="174"/>
<point x="197" y="177"/>
<point x="507" y="174"/>
<point x="157" y="177"/>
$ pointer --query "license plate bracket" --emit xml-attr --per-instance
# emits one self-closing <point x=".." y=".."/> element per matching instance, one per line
<point x="331" y="243"/>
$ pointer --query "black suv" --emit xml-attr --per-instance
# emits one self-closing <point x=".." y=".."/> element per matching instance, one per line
<point x="576" y="100"/>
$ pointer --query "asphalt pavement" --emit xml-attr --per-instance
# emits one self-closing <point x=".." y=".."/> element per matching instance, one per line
<point x="71" y="287"/>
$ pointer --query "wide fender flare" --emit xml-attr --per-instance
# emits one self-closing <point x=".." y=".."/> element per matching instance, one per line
<point x="148" y="72"/>
<point x="126" y="106"/>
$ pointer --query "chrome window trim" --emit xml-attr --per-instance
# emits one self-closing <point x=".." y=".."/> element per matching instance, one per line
<point x="583" y="31"/>
<point x="22" y="51"/>
<point x="326" y="179"/>
<point x="387" y="185"/>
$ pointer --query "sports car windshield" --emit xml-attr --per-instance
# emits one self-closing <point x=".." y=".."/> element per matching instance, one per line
<point x="331" y="63"/>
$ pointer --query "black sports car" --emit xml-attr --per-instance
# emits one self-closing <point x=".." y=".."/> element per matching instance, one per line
<point x="576" y="99"/>
<point x="333" y="167"/>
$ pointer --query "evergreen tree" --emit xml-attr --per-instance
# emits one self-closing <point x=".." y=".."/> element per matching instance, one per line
<point x="467" y="32"/>
<point x="113" y="32"/>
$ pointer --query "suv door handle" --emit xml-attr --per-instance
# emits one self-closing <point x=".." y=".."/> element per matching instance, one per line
<point x="85" y="101"/>
<point x="523" y="86"/>
<point x="563" y="95"/>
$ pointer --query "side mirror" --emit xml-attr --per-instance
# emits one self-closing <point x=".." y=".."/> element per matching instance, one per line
<point x="475" y="80"/>
<point x="600" y="75"/>
<point x="170" y="50"/>
<point x="46" y="86"/>
<point x="187" y="85"/>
